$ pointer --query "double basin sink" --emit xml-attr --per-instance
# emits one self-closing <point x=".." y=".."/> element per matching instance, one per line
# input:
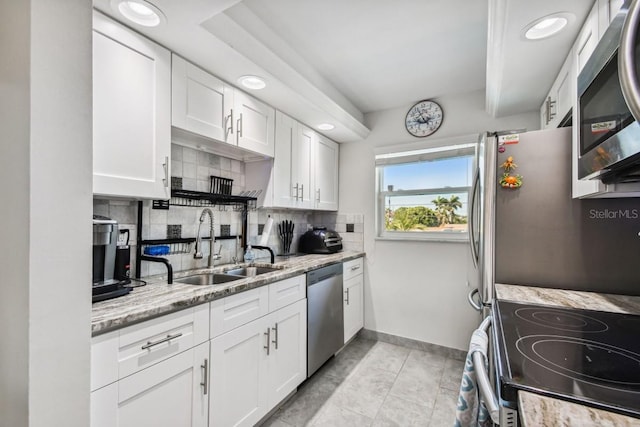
<point x="228" y="276"/>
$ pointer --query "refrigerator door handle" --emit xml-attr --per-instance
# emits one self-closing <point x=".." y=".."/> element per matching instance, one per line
<point x="475" y="304"/>
<point x="472" y="231"/>
<point x="482" y="375"/>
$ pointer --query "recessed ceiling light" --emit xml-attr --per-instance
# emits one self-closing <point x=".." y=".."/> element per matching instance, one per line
<point x="326" y="126"/>
<point x="140" y="12"/>
<point x="547" y="26"/>
<point x="252" y="82"/>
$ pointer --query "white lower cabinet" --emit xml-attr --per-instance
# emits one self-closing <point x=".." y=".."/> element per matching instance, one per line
<point x="353" y="298"/>
<point x="257" y="365"/>
<point x="172" y="393"/>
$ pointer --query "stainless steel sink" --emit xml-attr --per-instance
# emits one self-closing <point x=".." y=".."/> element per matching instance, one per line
<point x="208" y="279"/>
<point x="251" y="271"/>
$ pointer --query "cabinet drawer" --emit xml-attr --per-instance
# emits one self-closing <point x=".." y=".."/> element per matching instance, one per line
<point x="155" y="340"/>
<point x="104" y="360"/>
<point x="287" y="292"/>
<point x="352" y="268"/>
<point x="236" y="310"/>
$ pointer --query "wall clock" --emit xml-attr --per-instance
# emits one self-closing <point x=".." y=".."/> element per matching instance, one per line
<point x="424" y="118"/>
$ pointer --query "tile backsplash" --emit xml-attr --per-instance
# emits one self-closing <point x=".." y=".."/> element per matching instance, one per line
<point x="191" y="170"/>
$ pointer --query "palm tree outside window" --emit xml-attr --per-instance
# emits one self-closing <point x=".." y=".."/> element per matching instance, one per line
<point x="423" y="194"/>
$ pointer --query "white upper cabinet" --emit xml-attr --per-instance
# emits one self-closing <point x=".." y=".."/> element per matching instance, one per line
<point x="326" y="174"/>
<point x="293" y="164"/>
<point x="285" y="190"/>
<point x="587" y="38"/>
<point x="304" y="172"/>
<point x="560" y="99"/>
<point x="304" y="167"/>
<point x="213" y="112"/>
<point x="131" y="113"/>
<point x="255" y="122"/>
<point x="201" y="103"/>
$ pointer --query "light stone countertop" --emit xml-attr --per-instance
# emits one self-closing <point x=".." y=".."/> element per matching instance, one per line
<point x="541" y="411"/>
<point x="159" y="298"/>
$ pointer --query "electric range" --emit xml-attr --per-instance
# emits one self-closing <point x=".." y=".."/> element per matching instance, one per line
<point x="584" y="356"/>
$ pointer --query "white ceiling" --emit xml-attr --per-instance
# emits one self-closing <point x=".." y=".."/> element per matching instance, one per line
<point x="334" y="60"/>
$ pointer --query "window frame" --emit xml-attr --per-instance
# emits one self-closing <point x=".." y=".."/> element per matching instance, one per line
<point x="404" y="154"/>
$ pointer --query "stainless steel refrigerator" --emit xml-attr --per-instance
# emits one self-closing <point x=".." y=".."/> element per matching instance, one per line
<point x="536" y="234"/>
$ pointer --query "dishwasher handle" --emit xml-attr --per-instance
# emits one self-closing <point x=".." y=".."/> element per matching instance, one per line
<point x="324" y="273"/>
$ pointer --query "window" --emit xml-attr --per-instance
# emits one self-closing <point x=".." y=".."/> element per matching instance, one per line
<point x="424" y="194"/>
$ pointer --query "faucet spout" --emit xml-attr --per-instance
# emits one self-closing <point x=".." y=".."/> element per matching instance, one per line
<point x="198" y="247"/>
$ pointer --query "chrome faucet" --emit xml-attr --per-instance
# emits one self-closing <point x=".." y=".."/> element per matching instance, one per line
<point x="198" y="250"/>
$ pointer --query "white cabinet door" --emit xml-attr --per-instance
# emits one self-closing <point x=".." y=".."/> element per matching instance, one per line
<point x="326" y="174"/>
<point x="288" y="358"/>
<point x="201" y="103"/>
<point x="170" y="393"/>
<point x="104" y="406"/>
<point x="131" y="113"/>
<point x="353" y="306"/>
<point x="587" y="39"/>
<point x="239" y="375"/>
<point x="303" y="166"/>
<point x="255" y="123"/>
<point x="285" y="187"/>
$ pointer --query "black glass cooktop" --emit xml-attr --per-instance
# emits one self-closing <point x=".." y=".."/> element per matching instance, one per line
<point x="585" y="356"/>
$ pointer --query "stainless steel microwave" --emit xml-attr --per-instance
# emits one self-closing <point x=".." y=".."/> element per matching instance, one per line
<point x="609" y="134"/>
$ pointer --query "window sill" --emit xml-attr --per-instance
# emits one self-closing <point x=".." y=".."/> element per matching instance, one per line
<point x="424" y="239"/>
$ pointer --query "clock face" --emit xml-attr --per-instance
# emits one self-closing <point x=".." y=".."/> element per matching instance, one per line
<point x="424" y="118"/>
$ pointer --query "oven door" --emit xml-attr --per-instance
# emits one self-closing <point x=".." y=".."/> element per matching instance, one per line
<point x="504" y="414"/>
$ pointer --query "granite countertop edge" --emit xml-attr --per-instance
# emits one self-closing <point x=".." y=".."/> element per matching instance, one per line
<point x="536" y="409"/>
<point x="158" y="298"/>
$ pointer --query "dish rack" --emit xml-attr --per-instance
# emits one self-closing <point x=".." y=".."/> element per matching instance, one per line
<point x="196" y="199"/>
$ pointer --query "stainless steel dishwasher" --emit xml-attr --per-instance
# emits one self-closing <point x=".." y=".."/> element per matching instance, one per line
<point x="325" y="321"/>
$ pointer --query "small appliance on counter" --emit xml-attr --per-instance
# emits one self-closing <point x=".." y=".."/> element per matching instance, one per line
<point x="106" y="284"/>
<point x="319" y="240"/>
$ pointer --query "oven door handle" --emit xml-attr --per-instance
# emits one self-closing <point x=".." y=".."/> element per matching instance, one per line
<point x="482" y="377"/>
<point x="627" y="61"/>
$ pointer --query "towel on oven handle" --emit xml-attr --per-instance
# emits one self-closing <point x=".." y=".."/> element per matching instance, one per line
<point x="471" y="411"/>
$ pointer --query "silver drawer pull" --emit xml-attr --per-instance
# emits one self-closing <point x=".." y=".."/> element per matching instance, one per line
<point x="355" y="267"/>
<point x="150" y="344"/>
<point x="268" y="346"/>
<point x="275" y="335"/>
<point x="347" y="292"/>
<point x="205" y="376"/>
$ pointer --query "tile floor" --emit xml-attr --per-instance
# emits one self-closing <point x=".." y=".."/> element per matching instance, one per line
<point x="373" y="383"/>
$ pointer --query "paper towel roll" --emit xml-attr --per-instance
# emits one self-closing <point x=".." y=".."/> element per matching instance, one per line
<point x="266" y="231"/>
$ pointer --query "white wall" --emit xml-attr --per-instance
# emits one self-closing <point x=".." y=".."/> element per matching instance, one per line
<point x="45" y="188"/>
<point x="415" y="290"/>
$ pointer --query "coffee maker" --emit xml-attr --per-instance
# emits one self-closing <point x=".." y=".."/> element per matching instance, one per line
<point x="105" y="238"/>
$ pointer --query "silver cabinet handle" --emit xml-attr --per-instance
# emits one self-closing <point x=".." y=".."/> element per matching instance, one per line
<point x="355" y="267"/>
<point x="150" y="344"/>
<point x="228" y="121"/>
<point x="549" y="103"/>
<point x="482" y="376"/>
<point x="205" y="376"/>
<point x="297" y="190"/>
<point x="275" y="335"/>
<point x="318" y="195"/>
<point x="239" y="126"/>
<point x="627" y="60"/>
<point x="347" y="292"/>
<point x="165" y="166"/>
<point x="302" y="192"/>
<point x="475" y="304"/>
<point x="268" y="346"/>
